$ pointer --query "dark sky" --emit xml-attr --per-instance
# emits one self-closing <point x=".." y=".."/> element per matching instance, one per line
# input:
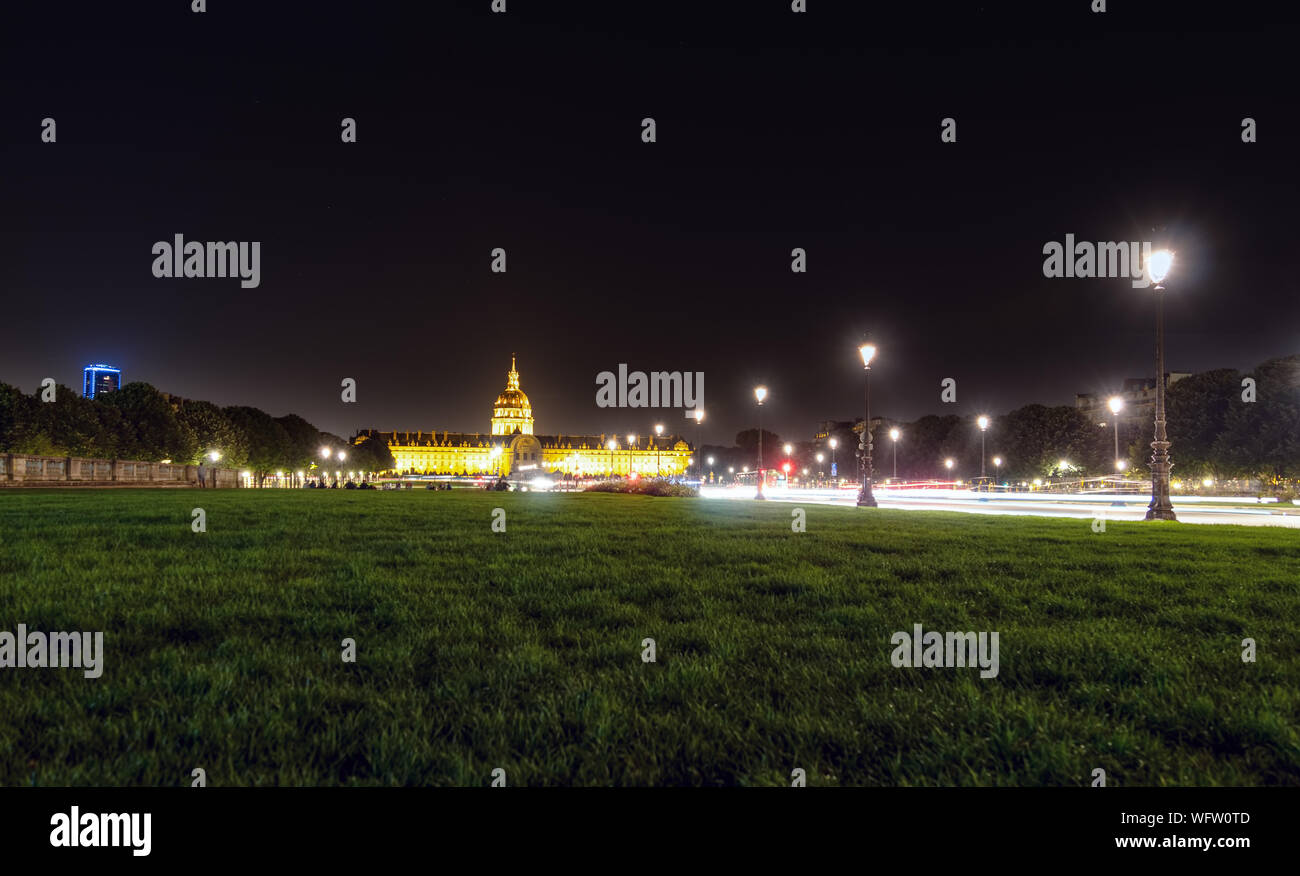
<point x="522" y="131"/>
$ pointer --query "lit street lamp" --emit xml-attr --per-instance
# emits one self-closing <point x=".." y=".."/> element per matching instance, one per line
<point x="948" y="464"/>
<point x="659" y="431"/>
<point x="1158" y="265"/>
<point x="631" y="448"/>
<point x="698" y="414"/>
<point x="865" y="499"/>
<point x="1116" y="404"/>
<point x="834" y="442"/>
<point x="760" y="393"/>
<point x="997" y="465"/>
<point x="983" y="423"/>
<point x="893" y="434"/>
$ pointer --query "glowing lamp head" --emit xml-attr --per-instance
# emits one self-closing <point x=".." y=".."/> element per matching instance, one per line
<point x="1120" y="465"/>
<point x="834" y="442"/>
<point x="789" y="448"/>
<point x="997" y="460"/>
<point x="631" y="439"/>
<point x="982" y="422"/>
<point x="820" y="457"/>
<point x="1159" y="264"/>
<point x="760" y="393"/>
<point x="659" y="430"/>
<point x="710" y="460"/>
<point x="894" y="433"/>
<point x="1062" y="464"/>
<point x="610" y="445"/>
<point x="342" y="456"/>
<point x="948" y="464"/>
<point x="1116" y="404"/>
<point x="324" y="453"/>
<point x="697" y="414"/>
<point x="868" y="352"/>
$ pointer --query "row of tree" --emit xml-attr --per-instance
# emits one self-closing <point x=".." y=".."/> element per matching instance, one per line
<point x="1221" y="424"/>
<point x="139" y="422"/>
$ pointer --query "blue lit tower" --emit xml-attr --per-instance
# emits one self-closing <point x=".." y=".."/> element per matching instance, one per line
<point x="101" y="378"/>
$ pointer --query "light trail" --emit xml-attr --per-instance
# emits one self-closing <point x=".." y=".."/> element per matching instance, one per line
<point x="1114" y="506"/>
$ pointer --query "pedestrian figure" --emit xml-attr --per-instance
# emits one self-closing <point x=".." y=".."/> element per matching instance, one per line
<point x="203" y="475"/>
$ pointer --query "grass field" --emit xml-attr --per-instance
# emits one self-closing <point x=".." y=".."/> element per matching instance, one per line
<point x="522" y="649"/>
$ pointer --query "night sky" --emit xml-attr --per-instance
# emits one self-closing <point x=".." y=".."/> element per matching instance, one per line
<point x="523" y="131"/>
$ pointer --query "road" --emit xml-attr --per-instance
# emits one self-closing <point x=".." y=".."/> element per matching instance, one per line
<point x="1114" y="506"/>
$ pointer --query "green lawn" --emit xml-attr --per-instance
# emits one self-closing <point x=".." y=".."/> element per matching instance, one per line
<point x="522" y="649"/>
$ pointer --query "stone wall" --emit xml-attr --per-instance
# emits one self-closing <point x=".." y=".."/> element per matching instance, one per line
<point x="23" y="470"/>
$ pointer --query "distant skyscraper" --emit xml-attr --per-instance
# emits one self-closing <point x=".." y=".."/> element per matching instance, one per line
<point x="101" y="378"/>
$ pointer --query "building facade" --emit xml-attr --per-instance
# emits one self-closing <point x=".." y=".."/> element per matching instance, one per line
<point x="99" y="379"/>
<point x="1138" y="393"/>
<point x="512" y="448"/>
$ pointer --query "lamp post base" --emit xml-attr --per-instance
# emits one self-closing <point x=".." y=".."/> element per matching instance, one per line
<point x="1160" y="508"/>
<point x="866" y="499"/>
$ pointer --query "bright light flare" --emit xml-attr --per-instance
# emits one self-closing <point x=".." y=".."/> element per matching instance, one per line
<point x="867" y="351"/>
<point x="1116" y="404"/>
<point x="1159" y="264"/>
<point x="760" y="393"/>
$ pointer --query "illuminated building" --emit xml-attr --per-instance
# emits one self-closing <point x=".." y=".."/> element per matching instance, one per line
<point x="100" y="379"/>
<point x="519" y="451"/>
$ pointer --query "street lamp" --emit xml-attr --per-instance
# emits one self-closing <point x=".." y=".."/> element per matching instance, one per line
<point x="983" y="422"/>
<point x="865" y="499"/>
<point x="997" y="464"/>
<point x="1116" y="404"/>
<point x="834" y="442"/>
<point x="1158" y="265"/>
<point x="948" y="464"/>
<point x="659" y="431"/>
<point x="631" y="449"/>
<point x="894" y="434"/>
<point x="698" y="414"/>
<point x="760" y="393"/>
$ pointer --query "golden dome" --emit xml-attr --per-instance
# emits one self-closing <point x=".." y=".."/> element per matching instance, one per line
<point x="512" y="398"/>
<point x="512" y="412"/>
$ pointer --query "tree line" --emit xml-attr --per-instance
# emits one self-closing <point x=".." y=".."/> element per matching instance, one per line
<point x="139" y="422"/>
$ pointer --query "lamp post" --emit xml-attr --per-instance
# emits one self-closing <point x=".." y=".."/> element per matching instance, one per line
<point x="699" y="448"/>
<point x="659" y="431"/>
<point x="834" y="442"/>
<point x="1116" y="404"/>
<point x="702" y="470"/>
<point x="1158" y="265"/>
<point x="865" y="499"/>
<point x="893" y="434"/>
<point x="820" y="472"/>
<point x="983" y="422"/>
<point x="760" y="393"/>
<point x="948" y="464"/>
<point x="997" y="466"/>
<point x="631" y="450"/>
